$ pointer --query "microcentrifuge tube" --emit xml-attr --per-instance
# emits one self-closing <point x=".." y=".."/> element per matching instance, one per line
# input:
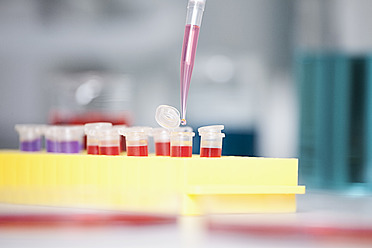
<point x="70" y="138"/>
<point x="162" y="141"/>
<point x="181" y="144"/>
<point x="51" y="139"/>
<point x="211" y="141"/>
<point x="91" y="131"/>
<point x="109" y="141"/>
<point x="136" y="140"/>
<point x="30" y="137"/>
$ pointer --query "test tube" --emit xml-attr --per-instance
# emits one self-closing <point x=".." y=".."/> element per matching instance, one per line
<point x="211" y="141"/>
<point x="70" y="138"/>
<point x="51" y="139"/>
<point x="90" y="130"/>
<point x="182" y="129"/>
<point x="109" y="141"/>
<point x="30" y="137"/>
<point x="162" y="141"/>
<point x="136" y="140"/>
<point x="181" y="144"/>
<point x="123" y="146"/>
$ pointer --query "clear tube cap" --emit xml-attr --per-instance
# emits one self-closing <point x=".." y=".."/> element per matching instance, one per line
<point x="135" y="130"/>
<point x="182" y="134"/>
<point x="159" y="131"/>
<point x="90" y="128"/>
<point x="211" y="129"/>
<point x="167" y="116"/>
<point x="107" y="132"/>
<point x="30" y="131"/>
<point x="52" y="132"/>
<point x="72" y="132"/>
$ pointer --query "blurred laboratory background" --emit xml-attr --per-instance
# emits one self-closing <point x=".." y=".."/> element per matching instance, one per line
<point x="287" y="78"/>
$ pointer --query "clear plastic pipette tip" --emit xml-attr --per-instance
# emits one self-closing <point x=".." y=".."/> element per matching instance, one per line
<point x="183" y="122"/>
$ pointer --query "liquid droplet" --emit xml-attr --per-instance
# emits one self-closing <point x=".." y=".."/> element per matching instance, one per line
<point x="183" y="122"/>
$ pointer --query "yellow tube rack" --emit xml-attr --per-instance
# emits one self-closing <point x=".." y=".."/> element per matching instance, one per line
<point x="188" y="186"/>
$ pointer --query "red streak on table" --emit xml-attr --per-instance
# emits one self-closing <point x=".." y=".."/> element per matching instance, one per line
<point x="24" y="220"/>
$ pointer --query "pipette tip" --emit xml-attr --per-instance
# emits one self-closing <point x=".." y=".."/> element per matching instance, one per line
<point x="183" y="122"/>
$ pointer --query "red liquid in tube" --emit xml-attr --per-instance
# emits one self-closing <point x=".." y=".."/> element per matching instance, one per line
<point x="93" y="150"/>
<point x="137" y="151"/>
<point x="162" y="148"/>
<point x="181" y="151"/>
<point x="109" y="150"/>
<point x="210" y="152"/>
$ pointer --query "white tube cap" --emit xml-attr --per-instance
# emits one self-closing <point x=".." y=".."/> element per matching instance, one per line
<point x="211" y="129"/>
<point x="167" y="116"/>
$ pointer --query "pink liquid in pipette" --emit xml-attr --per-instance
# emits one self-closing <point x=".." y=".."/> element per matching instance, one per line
<point x="190" y="41"/>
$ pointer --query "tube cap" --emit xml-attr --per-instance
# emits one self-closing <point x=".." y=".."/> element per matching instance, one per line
<point x="70" y="132"/>
<point x="91" y="128"/>
<point x="135" y="130"/>
<point x="159" y="131"/>
<point x="30" y="131"/>
<point x="167" y="116"/>
<point x="211" y="129"/>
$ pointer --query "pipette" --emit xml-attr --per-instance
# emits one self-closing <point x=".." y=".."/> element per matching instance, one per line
<point x="195" y="9"/>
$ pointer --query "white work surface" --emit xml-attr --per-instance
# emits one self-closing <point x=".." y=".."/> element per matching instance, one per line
<point x="314" y="210"/>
